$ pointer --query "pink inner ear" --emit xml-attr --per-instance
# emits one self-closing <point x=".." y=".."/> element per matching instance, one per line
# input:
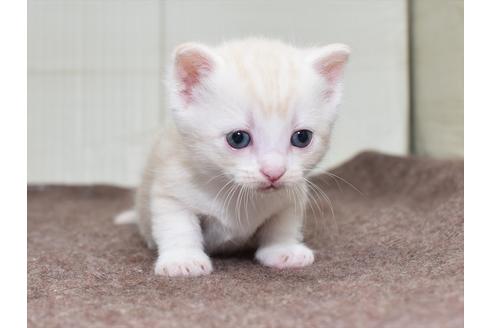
<point x="331" y="68"/>
<point x="191" y="67"/>
<point x="331" y="71"/>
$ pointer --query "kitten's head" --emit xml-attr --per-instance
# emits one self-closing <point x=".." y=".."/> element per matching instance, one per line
<point x="260" y="112"/>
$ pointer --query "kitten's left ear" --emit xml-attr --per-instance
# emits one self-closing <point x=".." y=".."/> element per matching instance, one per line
<point x="330" y="62"/>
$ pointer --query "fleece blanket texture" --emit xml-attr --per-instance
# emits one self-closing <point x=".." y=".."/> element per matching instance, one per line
<point x="389" y="255"/>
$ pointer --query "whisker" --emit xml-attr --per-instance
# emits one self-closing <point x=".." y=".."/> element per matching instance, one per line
<point x="228" y="198"/>
<point x="330" y="203"/>
<point x="323" y="179"/>
<point x="311" y="192"/>
<point x="347" y="182"/>
<point x="238" y="205"/>
<point x="231" y="196"/>
<point x="293" y="199"/>
<point x="215" y="177"/>
<point x="248" y="195"/>
<point x="218" y="193"/>
<point x="316" y="195"/>
<point x="333" y="175"/>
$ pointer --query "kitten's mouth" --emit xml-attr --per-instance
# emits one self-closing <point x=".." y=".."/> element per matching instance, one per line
<point x="269" y="188"/>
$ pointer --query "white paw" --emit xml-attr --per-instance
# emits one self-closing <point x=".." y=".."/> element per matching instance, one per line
<point x="285" y="256"/>
<point x="183" y="262"/>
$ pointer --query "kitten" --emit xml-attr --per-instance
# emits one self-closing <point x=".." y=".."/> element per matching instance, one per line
<point x="251" y="120"/>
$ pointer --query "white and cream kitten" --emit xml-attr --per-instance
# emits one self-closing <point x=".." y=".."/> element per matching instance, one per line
<point x="251" y="120"/>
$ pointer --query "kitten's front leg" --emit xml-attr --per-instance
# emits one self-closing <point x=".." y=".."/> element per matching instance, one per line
<point x="280" y="242"/>
<point x="177" y="233"/>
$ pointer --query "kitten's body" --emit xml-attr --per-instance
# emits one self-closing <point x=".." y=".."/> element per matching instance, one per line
<point x="228" y="220"/>
<point x="201" y="195"/>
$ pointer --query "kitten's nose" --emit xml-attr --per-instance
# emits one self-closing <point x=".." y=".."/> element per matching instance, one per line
<point x="273" y="173"/>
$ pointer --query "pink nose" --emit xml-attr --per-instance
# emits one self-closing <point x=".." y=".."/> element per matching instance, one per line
<point x="273" y="173"/>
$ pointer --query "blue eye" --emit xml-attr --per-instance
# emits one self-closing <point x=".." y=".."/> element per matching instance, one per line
<point x="301" y="138"/>
<point x="238" y="139"/>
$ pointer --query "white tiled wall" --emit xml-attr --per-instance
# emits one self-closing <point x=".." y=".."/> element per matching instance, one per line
<point x="93" y="89"/>
<point x="95" y="97"/>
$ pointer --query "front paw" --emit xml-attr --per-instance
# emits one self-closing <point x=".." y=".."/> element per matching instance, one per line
<point x="183" y="262"/>
<point x="285" y="256"/>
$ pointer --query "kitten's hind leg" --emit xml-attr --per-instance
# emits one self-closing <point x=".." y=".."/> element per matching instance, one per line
<point x="131" y="217"/>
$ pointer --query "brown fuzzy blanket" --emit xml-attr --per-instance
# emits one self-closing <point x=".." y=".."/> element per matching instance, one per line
<point x="392" y="256"/>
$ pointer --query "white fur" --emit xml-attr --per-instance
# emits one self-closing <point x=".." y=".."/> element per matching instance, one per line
<point x="126" y="217"/>
<point x="198" y="195"/>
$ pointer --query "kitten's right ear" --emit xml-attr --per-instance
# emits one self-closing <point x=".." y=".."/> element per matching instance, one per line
<point x="192" y="62"/>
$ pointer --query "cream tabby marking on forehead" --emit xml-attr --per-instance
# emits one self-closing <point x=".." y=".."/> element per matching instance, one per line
<point x="269" y="71"/>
